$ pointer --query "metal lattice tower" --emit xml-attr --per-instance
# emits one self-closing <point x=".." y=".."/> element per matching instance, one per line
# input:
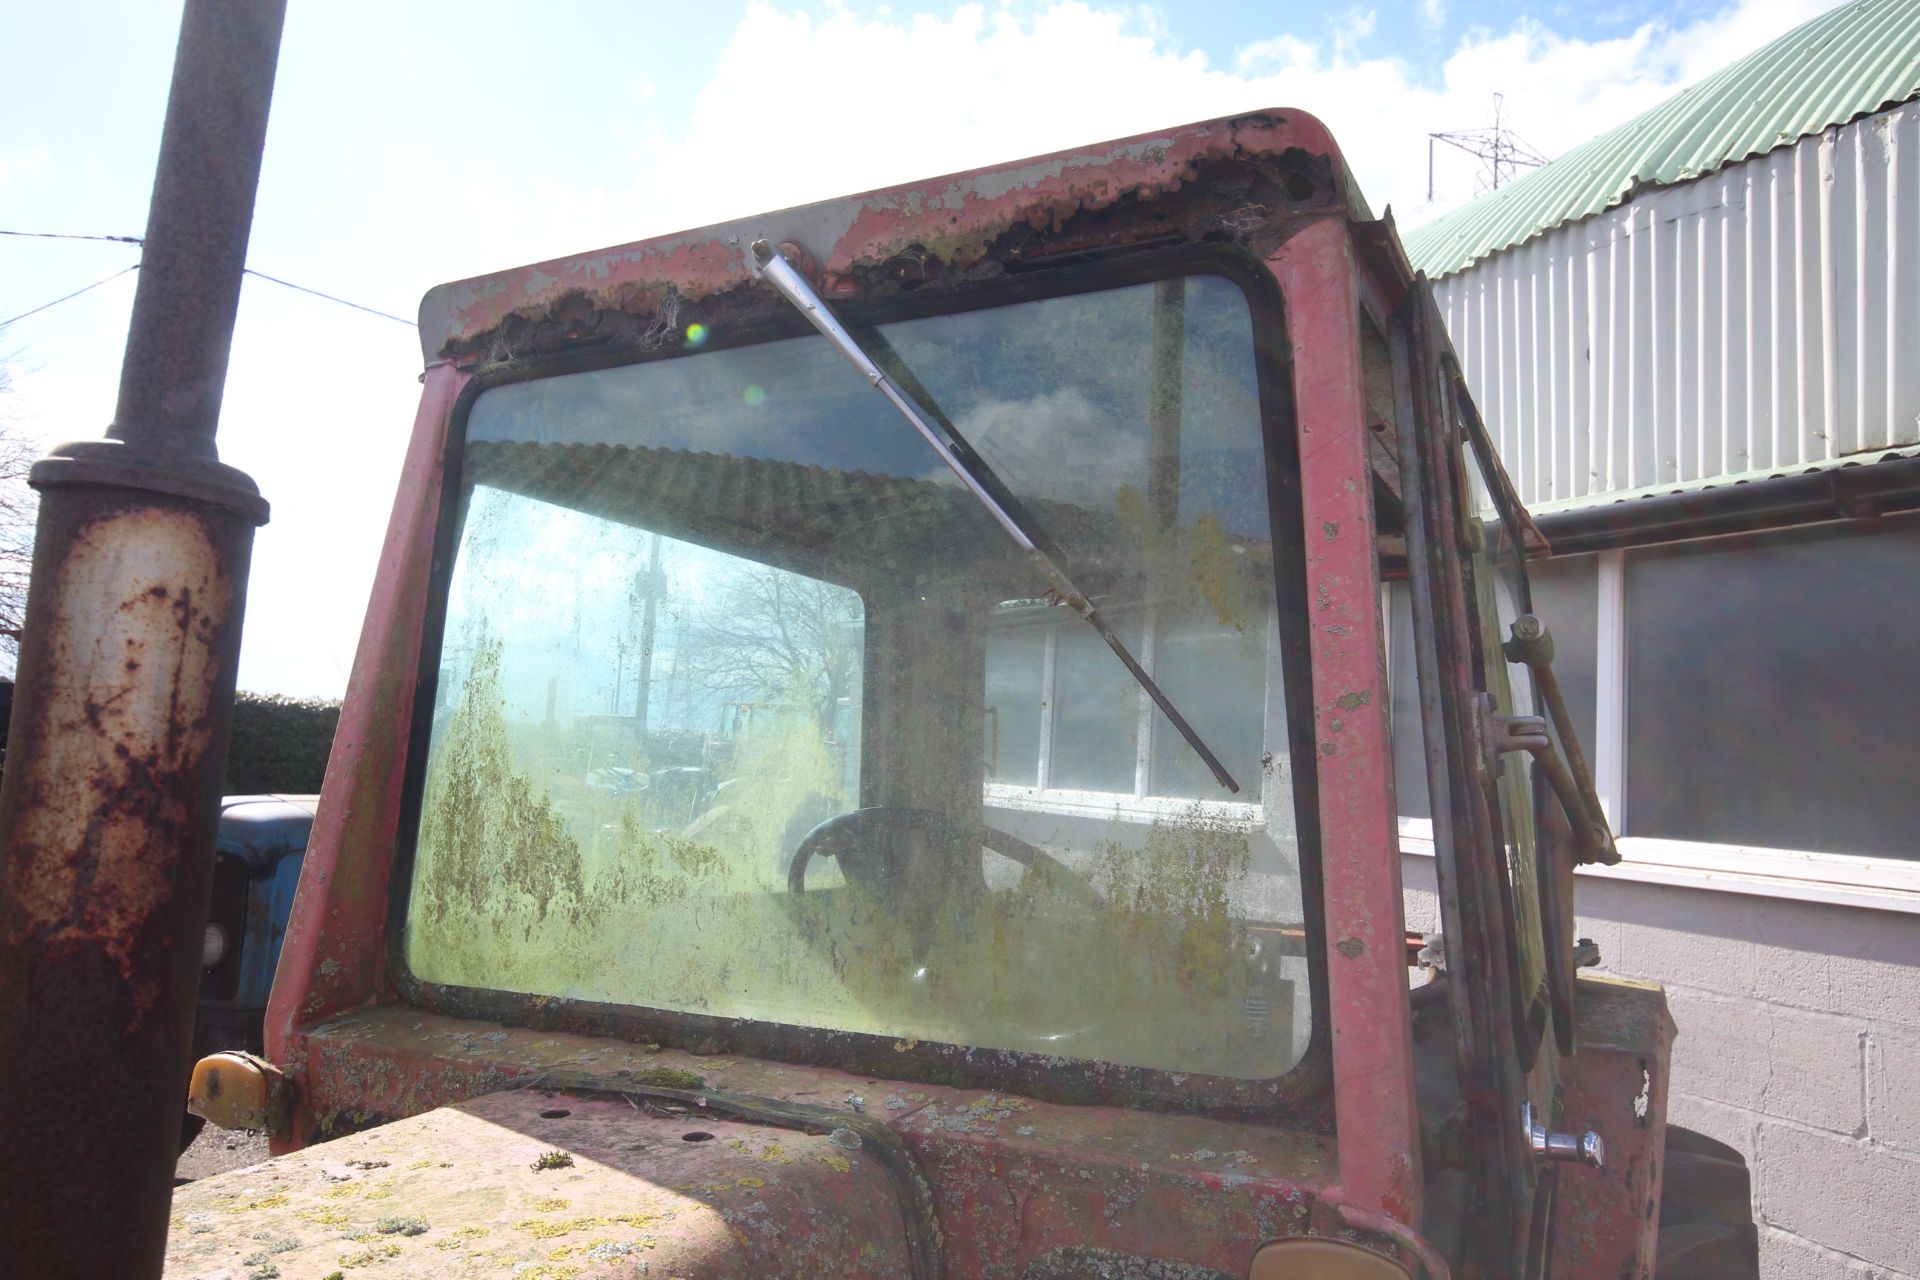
<point x="1504" y="152"/>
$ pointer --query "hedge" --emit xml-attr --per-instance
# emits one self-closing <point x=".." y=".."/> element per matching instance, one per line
<point x="279" y="744"/>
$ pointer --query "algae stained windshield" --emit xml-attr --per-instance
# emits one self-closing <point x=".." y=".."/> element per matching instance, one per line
<point x="747" y="708"/>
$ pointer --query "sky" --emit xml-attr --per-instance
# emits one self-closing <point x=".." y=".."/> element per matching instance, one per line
<point x="414" y="142"/>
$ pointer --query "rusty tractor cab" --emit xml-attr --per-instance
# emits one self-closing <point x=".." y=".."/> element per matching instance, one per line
<point x="1021" y="537"/>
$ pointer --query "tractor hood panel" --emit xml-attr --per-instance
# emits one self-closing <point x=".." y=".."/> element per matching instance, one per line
<point x="568" y="1182"/>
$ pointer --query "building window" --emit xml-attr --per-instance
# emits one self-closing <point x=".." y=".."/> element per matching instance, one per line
<point x="1770" y="696"/>
<point x="1743" y="703"/>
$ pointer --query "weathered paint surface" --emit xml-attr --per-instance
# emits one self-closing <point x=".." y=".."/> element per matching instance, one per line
<point x="552" y="1184"/>
<point x="1013" y="1178"/>
<point x="1615" y="1085"/>
<point x="133" y="626"/>
<point x="1372" y="1050"/>
<point x="949" y="224"/>
<point x="334" y="954"/>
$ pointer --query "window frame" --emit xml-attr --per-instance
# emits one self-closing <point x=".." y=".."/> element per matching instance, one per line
<point x="1142" y="802"/>
<point x="1806" y="875"/>
<point x="1298" y="1095"/>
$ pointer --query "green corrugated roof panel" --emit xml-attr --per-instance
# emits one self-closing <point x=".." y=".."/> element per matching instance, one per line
<point x="1858" y="59"/>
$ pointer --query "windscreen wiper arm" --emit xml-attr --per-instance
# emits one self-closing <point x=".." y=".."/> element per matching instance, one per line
<point x="781" y="274"/>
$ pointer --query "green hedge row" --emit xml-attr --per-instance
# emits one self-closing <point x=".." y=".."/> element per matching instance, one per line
<point x="279" y="744"/>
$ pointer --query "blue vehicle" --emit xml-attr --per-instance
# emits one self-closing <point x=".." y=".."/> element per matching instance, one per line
<point x="257" y="858"/>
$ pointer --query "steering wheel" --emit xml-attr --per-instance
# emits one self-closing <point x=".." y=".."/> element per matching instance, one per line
<point x="865" y="840"/>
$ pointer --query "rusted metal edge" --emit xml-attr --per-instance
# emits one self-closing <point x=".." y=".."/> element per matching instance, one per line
<point x="924" y="1239"/>
<point x="1861" y="491"/>
<point x="659" y="275"/>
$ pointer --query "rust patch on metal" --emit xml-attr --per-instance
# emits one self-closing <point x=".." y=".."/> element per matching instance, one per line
<point x="1242" y="181"/>
<point x="1012" y="1177"/>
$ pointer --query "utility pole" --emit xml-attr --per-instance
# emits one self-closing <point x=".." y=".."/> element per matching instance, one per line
<point x="123" y="706"/>
<point x="1500" y="147"/>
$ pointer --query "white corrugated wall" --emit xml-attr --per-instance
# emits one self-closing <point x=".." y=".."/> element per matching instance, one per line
<point x="1764" y="317"/>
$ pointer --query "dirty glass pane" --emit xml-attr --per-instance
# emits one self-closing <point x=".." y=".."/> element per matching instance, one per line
<point x="1016" y="673"/>
<point x="628" y="770"/>
<point x="1207" y="670"/>
<point x="1497" y="580"/>
<point x="1771" y="700"/>
<point x="1409" y="752"/>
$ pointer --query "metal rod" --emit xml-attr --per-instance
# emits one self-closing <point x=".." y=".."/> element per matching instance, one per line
<point x="1532" y="646"/>
<point x="118" y="739"/>
<point x="792" y="286"/>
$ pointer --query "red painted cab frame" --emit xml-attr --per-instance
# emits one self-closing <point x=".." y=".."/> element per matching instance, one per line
<point x="1322" y="250"/>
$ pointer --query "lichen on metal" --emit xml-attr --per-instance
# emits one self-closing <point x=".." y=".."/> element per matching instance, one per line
<point x="1858" y="59"/>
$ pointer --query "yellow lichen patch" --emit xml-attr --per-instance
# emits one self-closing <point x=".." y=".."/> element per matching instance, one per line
<point x="421" y="1164"/>
<point x="838" y="1163"/>
<point x="549" y="1228"/>
<point x="363" y="1235"/>
<point x="551" y="1204"/>
<point x="275" y="1201"/>
<point x="323" y="1217"/>
<point x="774" y="1153"/>
<point x="749" y="1182"/>
<point x="541" y="1271"/>
<point x="382" y="1192"/>
<point x="467" y="1234"/>
<point x="345" y="1191"/>
<point x="367" y="1257"/>
<point x="177" y="1223"/>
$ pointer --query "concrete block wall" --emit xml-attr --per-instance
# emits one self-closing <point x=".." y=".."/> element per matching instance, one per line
<point x="1799" y="1045"/>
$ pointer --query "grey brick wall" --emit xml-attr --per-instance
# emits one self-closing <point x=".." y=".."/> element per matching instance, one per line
<point x="1799" y="1044"/>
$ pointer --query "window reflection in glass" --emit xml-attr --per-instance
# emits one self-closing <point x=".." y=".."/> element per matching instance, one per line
<point x="1096" y="717"/>
<point x="1016" y="690"/>
<point x="1768" y="700"/>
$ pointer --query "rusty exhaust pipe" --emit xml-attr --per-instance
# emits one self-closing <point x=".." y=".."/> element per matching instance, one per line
<point x="124" y="700"/>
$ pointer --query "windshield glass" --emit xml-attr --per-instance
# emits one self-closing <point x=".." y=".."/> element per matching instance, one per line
<point x="747" y="708"/>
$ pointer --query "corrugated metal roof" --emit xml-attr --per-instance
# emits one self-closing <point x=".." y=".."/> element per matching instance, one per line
<point x="1858" y="59"/>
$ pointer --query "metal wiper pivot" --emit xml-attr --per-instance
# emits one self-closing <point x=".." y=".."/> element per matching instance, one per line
<point x="780" y="273"/>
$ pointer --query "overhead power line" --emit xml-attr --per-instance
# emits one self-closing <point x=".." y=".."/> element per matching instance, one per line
<point x="287" y="284"/>
<point x="76" y="293"/>
<point x="68" y="235"/>
<point x="374" y="311"/>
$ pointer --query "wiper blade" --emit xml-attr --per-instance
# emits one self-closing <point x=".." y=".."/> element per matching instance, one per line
<point x="964" y="463"/>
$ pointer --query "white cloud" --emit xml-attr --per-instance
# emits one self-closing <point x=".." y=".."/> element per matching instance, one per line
<point x="1433" y="14"/>
<point x="28" y="162"/>
<point x="978" y="87"/>
<point x="800" y="105"/>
